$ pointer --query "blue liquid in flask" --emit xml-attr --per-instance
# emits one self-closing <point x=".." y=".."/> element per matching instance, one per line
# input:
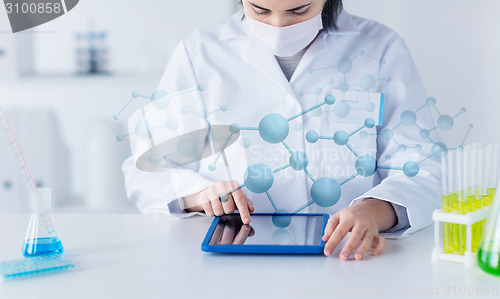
<point x="41" y="246"/>
<point x="41" y="236"/>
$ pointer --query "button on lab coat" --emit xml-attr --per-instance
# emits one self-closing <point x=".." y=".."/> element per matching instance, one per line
<point x="237" y="73"/>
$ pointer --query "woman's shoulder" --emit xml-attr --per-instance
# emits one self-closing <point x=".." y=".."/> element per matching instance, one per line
<point x="217" y="33"/>
<point x="371" y="28"/>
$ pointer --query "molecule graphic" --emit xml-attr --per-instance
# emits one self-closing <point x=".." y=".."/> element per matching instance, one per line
<point x="274" y="128"/>
<point x="161" y="100"/>
<point x="345" y="65"/>
<point x="325" y="191"/>
<point x="259" y="178"/>
<point x="409" y="118"/>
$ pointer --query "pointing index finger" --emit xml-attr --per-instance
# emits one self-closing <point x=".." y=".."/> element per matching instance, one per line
<point x="241" y="204"/>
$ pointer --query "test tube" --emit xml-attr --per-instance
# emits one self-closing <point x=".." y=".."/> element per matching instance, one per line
<point x="453" y="204"/>
<point x="477" y="175"/>
<point x="457" y="246"/>
<point x="496" y="165"/>
<point x="446" y="197"/>
<point x="472" y="173"/>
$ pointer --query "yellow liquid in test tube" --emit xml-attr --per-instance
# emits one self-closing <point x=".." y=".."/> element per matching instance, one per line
<point x="463" y="208"/>
<point x="447" y="227"/>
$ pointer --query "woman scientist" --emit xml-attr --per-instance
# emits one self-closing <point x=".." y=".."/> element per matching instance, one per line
<point x="281" y="58"/>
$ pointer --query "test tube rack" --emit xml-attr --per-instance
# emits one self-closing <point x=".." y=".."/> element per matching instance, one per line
<point x="468" y="219"/>
<point x="468" y="186"/>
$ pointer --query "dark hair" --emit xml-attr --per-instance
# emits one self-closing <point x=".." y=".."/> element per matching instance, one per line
<point x="330" y="13"/>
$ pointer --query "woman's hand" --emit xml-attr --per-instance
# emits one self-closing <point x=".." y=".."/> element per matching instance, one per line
<point x="212" y="201"/>
<point x="364" y="220"/>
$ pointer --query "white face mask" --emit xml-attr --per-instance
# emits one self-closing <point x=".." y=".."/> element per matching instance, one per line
<point x="285" y="41"/>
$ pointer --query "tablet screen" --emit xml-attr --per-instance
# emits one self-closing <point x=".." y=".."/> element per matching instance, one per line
<point x="302" y="230"/>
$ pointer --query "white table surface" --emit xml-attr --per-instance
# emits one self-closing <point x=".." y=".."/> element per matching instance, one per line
<point x="154" y="256"/>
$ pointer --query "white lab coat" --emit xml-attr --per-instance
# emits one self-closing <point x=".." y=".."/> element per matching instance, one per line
<point x="238" y="73"/>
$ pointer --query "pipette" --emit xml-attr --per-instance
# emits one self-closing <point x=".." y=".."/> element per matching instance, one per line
<point x="24" y="168"/>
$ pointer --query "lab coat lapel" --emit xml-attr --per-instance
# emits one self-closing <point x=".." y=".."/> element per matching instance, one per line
<point x="318" y="47"/>
<point x="267" y="64"/>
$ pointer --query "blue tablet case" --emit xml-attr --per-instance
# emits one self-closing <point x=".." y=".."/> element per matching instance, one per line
<point x="277" y="249"/>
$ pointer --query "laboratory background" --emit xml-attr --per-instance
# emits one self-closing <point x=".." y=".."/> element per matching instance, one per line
<point x="60" y="100"/>
<point x="69" y="86"/>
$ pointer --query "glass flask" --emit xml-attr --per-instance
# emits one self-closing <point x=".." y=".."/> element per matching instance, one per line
<point x="41" y="236"/>
<point x="488" y="254"/>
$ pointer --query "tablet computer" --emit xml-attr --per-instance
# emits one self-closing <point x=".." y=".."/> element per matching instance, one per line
<point x="267" y="233"/>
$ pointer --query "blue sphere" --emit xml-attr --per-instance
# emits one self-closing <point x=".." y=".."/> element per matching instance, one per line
<point x="297" y="126"/>
<point x="439" y="150"/>
<point x="281" y="236"/>
<point x="173" y="124"/>
<point x="341" y="137"/>
<point x="160" y="99"/>
<point x="224" y="197"/>
<point x="369" y="123"/>
<point x="363" y="134"/>
<point x="211" y="167"/>
<point x="154" y="159"/>
<point x="259" y="178"/>
<point x="281" y="221"/>
<point x="342" y="109"/>
<point x="344" y="65"/>
<point x="330" y="99"/>
<point x="445" y="122"/>
<point x="402" y="148"/>
<point x="388" y="134"/>
<point x="408" y="118"/>
<point x="325" y="192"/>
<point x="430" y="101"/>
<point x="418" y="147"/>
<point x="410" y="169"/>
<point x="144" y="129"/>
<point x="344" y="86"/>
<point x="424" y="134"/>
<point x="366" y="165"/>
<point x="298" y="160"/>
<point x="274" y="128"/>
<point x="367" y="82"/>
<point x="370" y="107"/>
<point x="234" y="128"/>
<point x="312" y="136"/>
<point x="318" y="91"/>
<point x="186" y="147"/>
<point x="223" y="108"/>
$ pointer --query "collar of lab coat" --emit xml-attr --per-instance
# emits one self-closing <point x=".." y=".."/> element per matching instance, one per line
<point x="235" y="26"/>
<point x="267" y="64"/>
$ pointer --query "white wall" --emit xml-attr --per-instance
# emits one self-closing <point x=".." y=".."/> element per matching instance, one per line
<point x="456" y="46"/>
<point x="141" y="33"/>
